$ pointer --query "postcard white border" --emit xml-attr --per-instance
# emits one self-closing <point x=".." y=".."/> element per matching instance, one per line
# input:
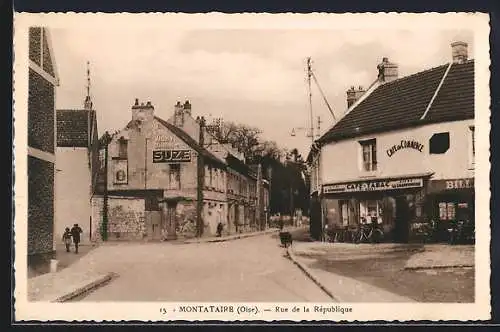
<point x="476" y="22"/>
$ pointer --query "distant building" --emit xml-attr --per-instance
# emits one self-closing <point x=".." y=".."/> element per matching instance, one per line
<point x="152" y="172"/>
<point x="77" y="167"/>
<point x="402" y="155"/>
<point x="41" y="146"/>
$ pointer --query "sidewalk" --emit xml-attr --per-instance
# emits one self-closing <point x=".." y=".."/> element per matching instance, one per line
<point x="442" y="256"/>
<point x="64" y="285"/>
<point x="389" y="272"/>
<point x="342" y="288"/>
<point x="231" y="237"/>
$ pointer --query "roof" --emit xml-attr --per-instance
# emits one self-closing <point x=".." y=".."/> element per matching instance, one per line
<point x="402" y="102"/>
<point x="73" y="127"/>
<point x="190" y="141"/>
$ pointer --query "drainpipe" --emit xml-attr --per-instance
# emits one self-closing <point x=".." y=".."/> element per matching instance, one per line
<point x="201" y="181"/>
<point x="104" y="233"/>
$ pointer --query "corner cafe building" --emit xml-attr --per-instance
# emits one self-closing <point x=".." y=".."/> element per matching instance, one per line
<point x="401" y="156"/>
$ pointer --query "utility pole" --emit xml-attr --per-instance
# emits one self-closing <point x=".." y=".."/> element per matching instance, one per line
<point x="201" y="181"/>
<point x="309" y="74"/>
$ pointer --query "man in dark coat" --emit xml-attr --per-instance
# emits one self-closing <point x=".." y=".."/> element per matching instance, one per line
<point x="75" y="233"/>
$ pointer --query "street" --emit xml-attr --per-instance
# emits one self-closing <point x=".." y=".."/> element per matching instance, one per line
<point x="252" y="269"/>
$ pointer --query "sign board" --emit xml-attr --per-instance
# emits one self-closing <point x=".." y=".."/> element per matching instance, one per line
<point x="374" y="185"/>
<point x="405" y="144"/>
<point x="165" y="142"/>
<point x="171" y="156"/>
<point x="120" y="172"/>
<point x="451" y="184"/>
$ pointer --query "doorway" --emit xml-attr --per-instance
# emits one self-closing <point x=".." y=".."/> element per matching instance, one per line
<point x="169" y="220"/>
<point x="402" y="222"/>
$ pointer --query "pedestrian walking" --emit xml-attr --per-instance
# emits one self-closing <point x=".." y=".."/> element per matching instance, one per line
<point x="67" y="239"/>
<point x="220" y="227"/>
<point x="75" y="233"/>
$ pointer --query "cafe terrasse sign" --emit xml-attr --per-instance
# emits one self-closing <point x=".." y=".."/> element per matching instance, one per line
<point x="405" y="144"/>
<point x="375" y="185"/>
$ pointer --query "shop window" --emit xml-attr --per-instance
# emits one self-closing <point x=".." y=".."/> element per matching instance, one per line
<point x="122" y="148"/>
<point x="370" y="211"/>
<point x="447" y="211"/>
<point x="344" y="210"/>
<point x="369" y="155"/>
<point x="174" y="176"/>
<point x="439" y="143"/>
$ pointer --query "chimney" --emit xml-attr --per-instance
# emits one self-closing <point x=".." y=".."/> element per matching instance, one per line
<point x="459" y="52"/>
<point x="178" y="114"/>
<point x="351" y="99"/>
<point x="354" y="94"/>
<point x="187" y="107"/>
<point x="387" y="71"/>
<point x="141" y="111"/>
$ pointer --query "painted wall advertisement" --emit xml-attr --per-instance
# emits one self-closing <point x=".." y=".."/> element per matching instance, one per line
<point x="120" y="171"/>
<point x="375" y="185"/>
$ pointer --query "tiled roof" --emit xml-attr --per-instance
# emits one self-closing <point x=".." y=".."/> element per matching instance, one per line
<point x="401" y="103"/>
<point x="73" y="128"/>
<point x="190" y="141"/>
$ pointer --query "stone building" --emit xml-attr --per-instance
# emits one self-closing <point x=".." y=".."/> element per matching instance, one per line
<point x="407" y="150"/>
<point x="43" y="79"/>
<point x="77" y="164"/>
<point x="152" y="179"/>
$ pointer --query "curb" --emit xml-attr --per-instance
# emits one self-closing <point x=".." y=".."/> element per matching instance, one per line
<point x="437" y="267"/>
<point x="310" y="274"/>
<point x="87" y="288"/>
<point x="235" y="237"/>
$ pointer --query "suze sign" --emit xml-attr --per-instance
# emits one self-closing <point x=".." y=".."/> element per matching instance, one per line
<point x="377" y="185"/>
<point x="171" y="156"/>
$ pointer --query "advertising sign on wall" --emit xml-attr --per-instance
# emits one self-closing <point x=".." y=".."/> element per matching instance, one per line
<point x="375" y="185"/>
<point x="120" y="171"/>
<point x="171" y="156"/>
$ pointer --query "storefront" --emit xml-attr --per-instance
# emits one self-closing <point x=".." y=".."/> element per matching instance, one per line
<point x="448" y="202"/>
<point x="393" y="203"/>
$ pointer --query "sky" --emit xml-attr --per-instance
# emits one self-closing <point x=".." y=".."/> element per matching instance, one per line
<point x="251" y="76"/>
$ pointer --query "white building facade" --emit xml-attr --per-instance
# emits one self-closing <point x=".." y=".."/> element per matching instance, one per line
<point x="403" y="154"/>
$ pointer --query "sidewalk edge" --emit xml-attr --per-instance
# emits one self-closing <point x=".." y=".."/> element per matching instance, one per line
<point x="310" y="274"/>
<point x="87" y="288"/>
<point x="230" y="238"/>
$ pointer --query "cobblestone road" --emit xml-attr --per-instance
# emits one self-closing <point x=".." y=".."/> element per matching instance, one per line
<point x="252" y="269"/>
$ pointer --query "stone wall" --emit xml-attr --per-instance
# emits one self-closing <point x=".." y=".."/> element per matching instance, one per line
<point x="97" y="217"/>
<point x="40" y="206"/>
<point x="126" y="219"/>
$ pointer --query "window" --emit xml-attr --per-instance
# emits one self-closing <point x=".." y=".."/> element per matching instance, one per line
<point x="102" y="158"/>
<point x="122" y="148"/>
<point x="369" y="155"/>
<point x="439" y="143"/>
<point x="174" y="176"/>
<point x="344" y="208"/>
<point x="472" y="139"/>
<point x="446" y="211"/>
<point x="370" y="211"/>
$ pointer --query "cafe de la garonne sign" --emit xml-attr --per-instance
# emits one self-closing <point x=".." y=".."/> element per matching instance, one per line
<point x="405" y="144"/>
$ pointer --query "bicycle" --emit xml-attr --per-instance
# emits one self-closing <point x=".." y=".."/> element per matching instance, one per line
<point x="369" y="234"/>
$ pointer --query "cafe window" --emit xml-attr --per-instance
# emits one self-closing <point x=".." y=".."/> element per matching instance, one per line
<point x="370" y="211"/>
<point x="344" y="210"/>
<point x="174" y="176"/>
<point x="369" y="155"/>
<point x="439" y="143"/>
<point x="447" y="211"/>
<point x="122" y="148"/>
